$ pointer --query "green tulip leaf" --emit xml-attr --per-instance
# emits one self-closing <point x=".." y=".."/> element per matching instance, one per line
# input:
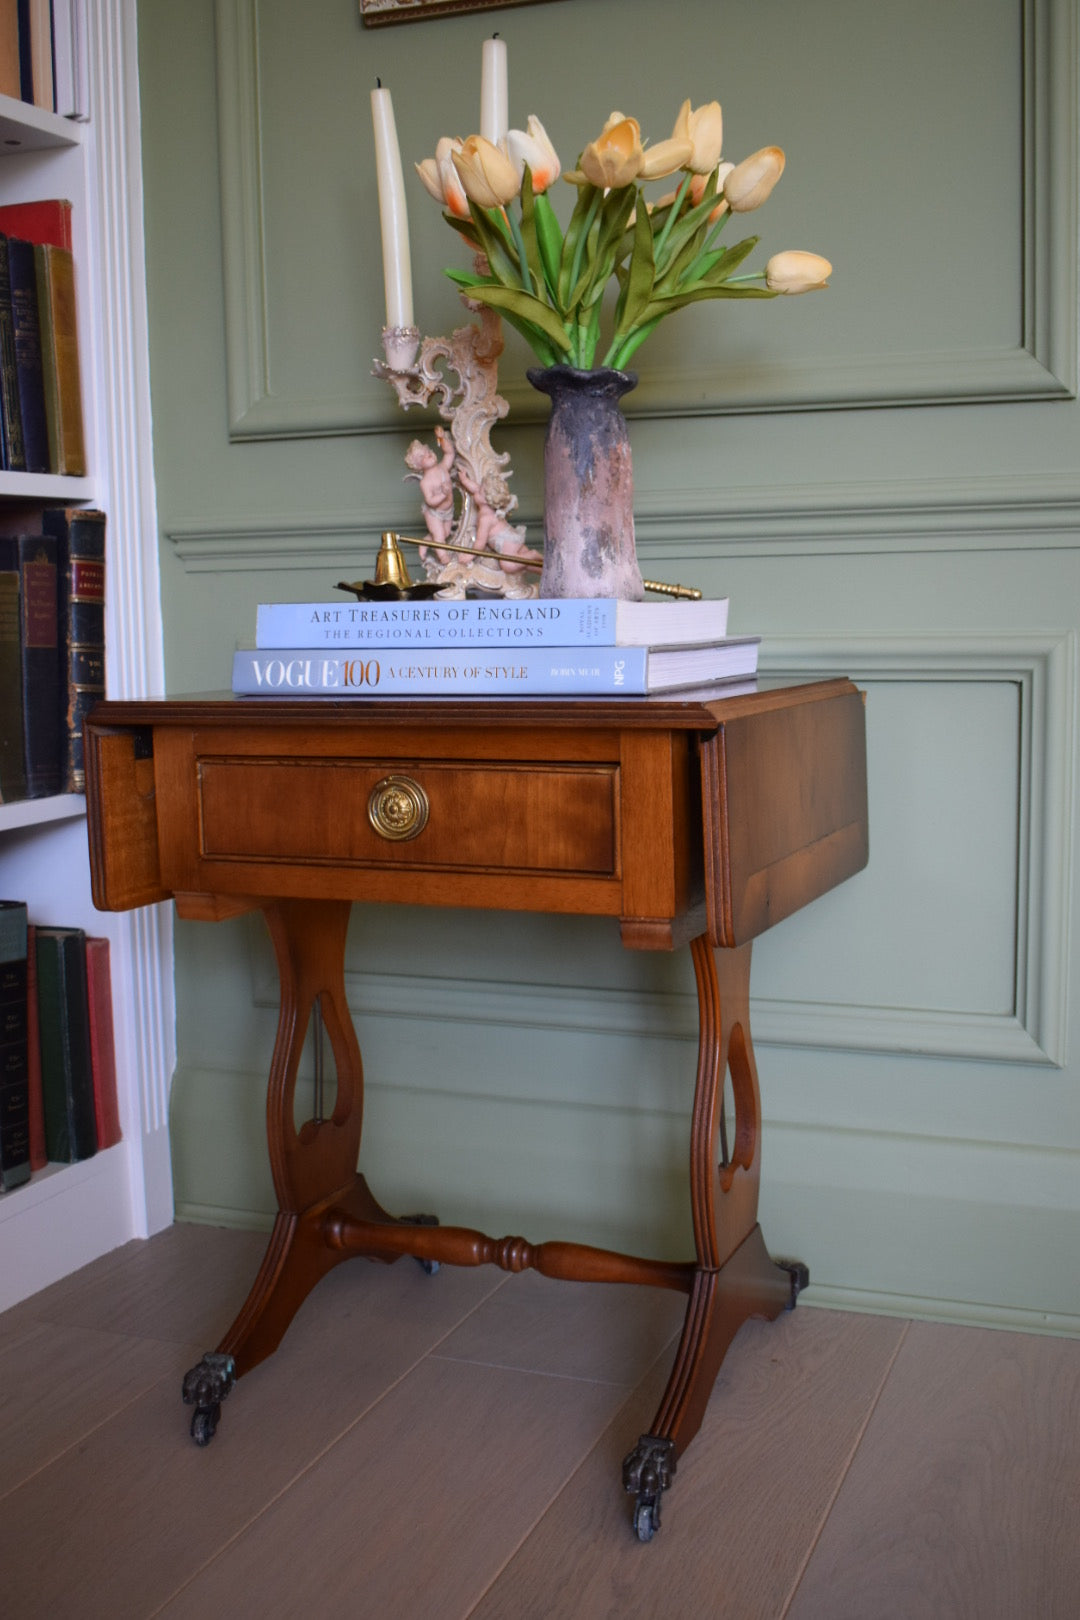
<point x="549" y="240"/>
<point x="693" y="295"/>
<point x="528" y="231"/>
<point x="588" y="200"/>
<point x="523" y="306"/>
<point x="638" y="287"/>
<point x="497" y="247"/>
<point x="465" y="228"/>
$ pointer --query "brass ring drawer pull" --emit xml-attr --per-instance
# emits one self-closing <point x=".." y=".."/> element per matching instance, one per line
<point x="398" y="808"/>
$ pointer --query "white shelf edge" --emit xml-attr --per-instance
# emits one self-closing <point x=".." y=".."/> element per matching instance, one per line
<point x="39" y="812"/>
<point x="45" y="487"/>
<point x="26" y="128"/>
<point x="58" y="1181"/>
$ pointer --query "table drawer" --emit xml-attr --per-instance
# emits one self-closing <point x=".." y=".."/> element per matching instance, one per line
<point x="498" y="816"/>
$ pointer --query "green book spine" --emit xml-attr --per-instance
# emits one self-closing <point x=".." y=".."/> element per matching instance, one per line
<point x="14" y="1084"/>
<point x="64" y="1036"/>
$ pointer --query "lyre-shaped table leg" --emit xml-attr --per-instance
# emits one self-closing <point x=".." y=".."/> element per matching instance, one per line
<point x="735" y="1277"/>
<point x="311" y="1165"/>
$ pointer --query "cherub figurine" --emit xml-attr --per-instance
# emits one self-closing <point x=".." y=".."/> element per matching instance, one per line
<point x="494" y="532"/>
<point x="436" y="481"/>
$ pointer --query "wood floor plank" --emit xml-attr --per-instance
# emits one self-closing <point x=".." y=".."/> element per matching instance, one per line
<point x="612" y="1332"/>
<point x="57" y="1384"/>
<point x="747" y="1500"/>
<point x="184" y="1284"/>
<point x="964" y="1499"/>
<point x="116" y="1526"/>
<point x="412" y="1513"/>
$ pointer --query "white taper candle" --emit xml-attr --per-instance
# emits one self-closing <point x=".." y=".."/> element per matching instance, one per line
<point x="494" y="91"/>
<point x="393" y="217"/>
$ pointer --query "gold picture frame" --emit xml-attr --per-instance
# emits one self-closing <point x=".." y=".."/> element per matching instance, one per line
<point x="378" y="13"/>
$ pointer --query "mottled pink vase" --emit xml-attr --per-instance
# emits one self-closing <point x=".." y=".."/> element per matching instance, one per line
<point x="588" y="485"/>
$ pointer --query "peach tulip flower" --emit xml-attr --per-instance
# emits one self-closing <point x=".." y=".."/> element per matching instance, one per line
<point x="752" y="180"/>
<point x="489" y="177"/>
<point x="533" y="147"/>
<point x="796" y="272"/>
<point x="666" y="157"/>
<point x="616" y="156"/>
<point x="440" y="178"/>
<point x="703" y="127"/>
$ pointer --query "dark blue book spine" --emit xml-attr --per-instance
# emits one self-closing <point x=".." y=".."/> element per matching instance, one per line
<point x="26" y="58"/>
<point x="22" y="272"/>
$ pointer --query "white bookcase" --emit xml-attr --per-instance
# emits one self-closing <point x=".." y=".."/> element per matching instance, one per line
<point x="68" y="1215"/>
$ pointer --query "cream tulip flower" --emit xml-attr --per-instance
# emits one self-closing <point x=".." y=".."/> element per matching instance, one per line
<point x="796" y="272"/>
<point x="440" y="178"/>
<point x="533" y="147"/>
<point x="616" y="156"/>
<point x="489" y="177"/>
<point x="752" y="180"/>
<point x="703" y="127"/>
<point x="666" y="157"/>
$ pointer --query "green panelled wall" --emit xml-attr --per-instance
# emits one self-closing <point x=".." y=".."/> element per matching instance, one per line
<point x="884" y="477"/>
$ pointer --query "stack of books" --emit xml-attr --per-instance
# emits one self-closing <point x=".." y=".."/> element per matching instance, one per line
<point x="545" y="647"/>
<point x="58" y="1095"/>
<point x="43" y="55"/>
<point x="41" y="418"/>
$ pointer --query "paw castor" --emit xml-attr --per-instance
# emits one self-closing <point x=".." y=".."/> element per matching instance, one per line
<point x="800" y="1278"/>
<point x="204" y="1388"/>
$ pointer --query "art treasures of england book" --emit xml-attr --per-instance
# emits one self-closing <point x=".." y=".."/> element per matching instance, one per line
<point x="502" y="672"/>
<point x="543" y="621"/>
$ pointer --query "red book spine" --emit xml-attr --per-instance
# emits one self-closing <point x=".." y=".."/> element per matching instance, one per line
<point x="102" y="1041"/>
<point x="45" y="221"/>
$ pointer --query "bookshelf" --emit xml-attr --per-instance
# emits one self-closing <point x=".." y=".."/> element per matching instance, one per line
<point x="71" y="1214"/>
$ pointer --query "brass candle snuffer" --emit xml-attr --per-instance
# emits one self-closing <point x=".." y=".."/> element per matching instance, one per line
<point x="393" y="582"/>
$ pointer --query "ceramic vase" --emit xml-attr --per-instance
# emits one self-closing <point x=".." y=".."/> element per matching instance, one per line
<point x="588" y="485"/>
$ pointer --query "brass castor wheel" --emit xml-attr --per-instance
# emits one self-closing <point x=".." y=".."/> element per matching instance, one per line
<point x="205" y="1387"/>
<point x="800" y="1278"/>
<point x="647" y="1472"/>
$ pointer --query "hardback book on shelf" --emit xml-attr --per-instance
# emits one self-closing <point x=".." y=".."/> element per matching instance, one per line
<point x="14" y="1085"/>
<point x="67" y="1080"/>
<point x="10" y="75"/>
<point x="505" y="672"/>
<point x="31" y="706"/>
<point x="80" y="536"/>
<point x="30" y="377"/>
<point x="102" y="1041"/>
<point x="55" y="269"/>
<point x="12" y="753"/>
<point x="39" y="1158"/>
<point x="12" y="449"/>
<point x="36" y="52"/>
<point x="543" y="621"/>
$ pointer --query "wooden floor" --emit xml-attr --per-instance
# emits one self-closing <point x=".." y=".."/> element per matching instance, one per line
<point x="429" y="1448"/>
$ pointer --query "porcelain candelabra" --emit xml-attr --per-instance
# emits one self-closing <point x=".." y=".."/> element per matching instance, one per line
<point x="464" y="483"/>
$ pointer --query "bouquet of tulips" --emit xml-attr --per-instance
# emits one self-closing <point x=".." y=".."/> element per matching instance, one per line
<point x="549" y="283"/>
